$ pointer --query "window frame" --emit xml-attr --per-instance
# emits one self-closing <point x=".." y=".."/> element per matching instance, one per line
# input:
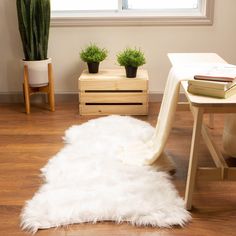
<point x="127" y="17"/>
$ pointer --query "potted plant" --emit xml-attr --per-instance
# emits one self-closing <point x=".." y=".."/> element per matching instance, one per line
<point x="93" y="55"/>
<point x="34" y="23"/>
<point x="131" y="59"/>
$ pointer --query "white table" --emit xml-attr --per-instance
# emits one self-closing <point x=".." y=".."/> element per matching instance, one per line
<point x="199" y="106"/>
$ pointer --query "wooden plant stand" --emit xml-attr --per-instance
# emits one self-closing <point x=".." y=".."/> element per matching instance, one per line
<point x="28" y="90"/>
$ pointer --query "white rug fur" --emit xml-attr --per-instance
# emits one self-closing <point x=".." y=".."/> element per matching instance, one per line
<point x="87" y="182"/>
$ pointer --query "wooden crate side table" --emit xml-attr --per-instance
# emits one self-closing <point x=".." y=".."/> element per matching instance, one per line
<point x="110" y="92"/>
<point x="28" y="90"/>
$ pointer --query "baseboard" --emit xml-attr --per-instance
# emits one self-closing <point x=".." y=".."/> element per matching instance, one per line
<point x="17" y="97"/>
<point x="157" y="97"/>
<point x="13" y="97"/>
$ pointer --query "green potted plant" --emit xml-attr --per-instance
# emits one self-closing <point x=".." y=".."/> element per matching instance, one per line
<point x="131" y="59"/>
<point x="34" y="24"/>
<point x="93" y="55"/>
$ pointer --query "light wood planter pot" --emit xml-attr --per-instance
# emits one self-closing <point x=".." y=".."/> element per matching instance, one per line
<point x="110" y="92"/>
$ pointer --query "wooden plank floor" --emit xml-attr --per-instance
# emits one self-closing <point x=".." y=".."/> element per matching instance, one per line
<point x="28" y="142"/>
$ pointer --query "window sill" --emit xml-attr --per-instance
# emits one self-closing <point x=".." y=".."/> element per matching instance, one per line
<point x="203" y="17"/>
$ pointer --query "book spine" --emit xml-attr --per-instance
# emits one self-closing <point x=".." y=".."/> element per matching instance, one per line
<point x="206" y="92"/>
<point x="214" y="78"/>
<point x="210" y="85"/>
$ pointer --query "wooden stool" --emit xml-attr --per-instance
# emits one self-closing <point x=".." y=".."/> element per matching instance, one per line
<point x="28" y="90"/>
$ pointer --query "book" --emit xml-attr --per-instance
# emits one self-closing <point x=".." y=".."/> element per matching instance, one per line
<point x="218" y="77"/>
<point x="212" y="92"/>
<point x="214" y="78"/>
<point x="212" y="84"/>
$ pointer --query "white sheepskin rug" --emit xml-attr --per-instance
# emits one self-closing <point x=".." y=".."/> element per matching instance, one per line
<point x="87" y="182"/>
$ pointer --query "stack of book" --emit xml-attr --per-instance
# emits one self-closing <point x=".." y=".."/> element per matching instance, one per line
<point x="212" y="86"/>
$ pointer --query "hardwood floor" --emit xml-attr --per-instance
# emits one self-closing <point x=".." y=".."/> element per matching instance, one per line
<point x="28" y="141"/>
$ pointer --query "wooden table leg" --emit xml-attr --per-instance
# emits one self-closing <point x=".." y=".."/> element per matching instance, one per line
<point x="193" y="161"/>
<point x="211" y="121"/>
<point x="26" y="90"/>
<point x="51" y="88"/>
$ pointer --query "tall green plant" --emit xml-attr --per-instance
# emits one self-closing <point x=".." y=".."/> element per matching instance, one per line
<point x="34" y="22"/>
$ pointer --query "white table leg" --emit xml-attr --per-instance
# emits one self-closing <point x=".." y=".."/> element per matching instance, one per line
<point x="193" y="161"/>
<point x="211" y="121"/>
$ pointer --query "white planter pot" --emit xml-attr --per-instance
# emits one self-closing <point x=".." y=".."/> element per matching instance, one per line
<point x="38" y="72"/>
<point x="229" y="135"/>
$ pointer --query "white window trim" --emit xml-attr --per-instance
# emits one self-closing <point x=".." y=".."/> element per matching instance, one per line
<point x="137" y="18"/>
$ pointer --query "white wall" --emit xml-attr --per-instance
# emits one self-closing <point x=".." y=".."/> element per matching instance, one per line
<point x="156" y="42"/>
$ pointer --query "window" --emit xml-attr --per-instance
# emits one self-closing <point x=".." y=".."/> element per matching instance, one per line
<point x="131" y="12"/>
<point x="162" y="4"/>
<point x="84" y="5"/>
<point x="72" y="5"/>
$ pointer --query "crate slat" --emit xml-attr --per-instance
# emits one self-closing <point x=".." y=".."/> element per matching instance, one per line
<point x="129" y="84"/>
<point x="113" y="74"/>
<point x="112" y="97"/>
<point x="113" y="109"/>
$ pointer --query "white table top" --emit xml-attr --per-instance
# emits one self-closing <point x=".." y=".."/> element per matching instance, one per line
<point x="178" y="59"/>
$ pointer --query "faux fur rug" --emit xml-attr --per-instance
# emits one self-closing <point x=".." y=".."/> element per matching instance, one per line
<point x="87" y="182"/>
